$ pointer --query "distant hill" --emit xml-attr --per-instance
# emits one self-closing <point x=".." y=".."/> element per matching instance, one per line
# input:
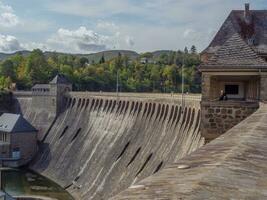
<point x="157" y="54"/>
<point x="4" y="56"/>
<point x="94" y="56"/>
<point x="91" y="57"/>
<point x="109" y="55"/>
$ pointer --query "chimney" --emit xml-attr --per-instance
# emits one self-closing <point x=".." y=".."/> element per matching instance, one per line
<point x="247" y="13"/>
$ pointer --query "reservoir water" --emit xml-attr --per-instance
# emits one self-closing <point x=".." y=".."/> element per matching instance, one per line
<point x="24" y="183"/>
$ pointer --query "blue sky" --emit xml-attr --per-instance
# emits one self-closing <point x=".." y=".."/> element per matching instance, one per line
<point x="86" y="26"/>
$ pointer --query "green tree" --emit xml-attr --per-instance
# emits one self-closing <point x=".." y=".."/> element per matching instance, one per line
<point x="193" y="49"/>
<point x="155" y="76"/>
<point x="7" y="69"/>
<point x="38" y="68"/>
<point x="186" y="50"/>
<point x="102" y="59"/>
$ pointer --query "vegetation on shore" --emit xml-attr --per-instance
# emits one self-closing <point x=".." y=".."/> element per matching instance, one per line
<point x="146" y="73"/>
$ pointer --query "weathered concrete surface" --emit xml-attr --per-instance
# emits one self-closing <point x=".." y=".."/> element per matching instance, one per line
<point x="40" y="118"/>
<point x="103" y="144"/>
<point x="234" y="166"/>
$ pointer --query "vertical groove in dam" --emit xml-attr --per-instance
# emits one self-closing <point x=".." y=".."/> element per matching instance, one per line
<point x="100" y="146"/>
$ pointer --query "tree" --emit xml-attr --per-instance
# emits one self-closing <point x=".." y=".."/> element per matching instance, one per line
<point x="102" y="59"/>
<point x="83" y="61"/>
<point x="163" y="58"/>
<point x="7" y="69"/>
<point x="186" y="50"/>
<point x="164" y="75"/>
<point x="155" y="76"/>
<point x="193" y="49"/>
<point x="37" y="67"/>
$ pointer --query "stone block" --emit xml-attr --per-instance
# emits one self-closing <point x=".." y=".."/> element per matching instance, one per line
<point x="223" y="111"/>
<point x="210" y="110"/>
<point x="238" y="112"/>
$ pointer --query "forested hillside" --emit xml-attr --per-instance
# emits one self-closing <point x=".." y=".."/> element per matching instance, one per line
<point x="158" y="71"/>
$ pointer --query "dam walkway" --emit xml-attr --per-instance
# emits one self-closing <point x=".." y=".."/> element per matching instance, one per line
<point x="234" y="166"/>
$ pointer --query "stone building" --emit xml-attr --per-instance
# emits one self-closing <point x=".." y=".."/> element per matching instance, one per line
<point x="51" y="96"/>
<point x="18" y="140"/>
<point x="235" y="63"/>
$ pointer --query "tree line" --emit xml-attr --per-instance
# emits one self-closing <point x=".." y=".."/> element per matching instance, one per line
<point x="159" y="74"/>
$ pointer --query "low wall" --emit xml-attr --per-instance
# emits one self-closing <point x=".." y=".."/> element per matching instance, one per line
<point x="219" y="116"/>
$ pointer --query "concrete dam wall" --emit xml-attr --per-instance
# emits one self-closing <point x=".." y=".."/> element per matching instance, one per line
<point x="100" y="145"/>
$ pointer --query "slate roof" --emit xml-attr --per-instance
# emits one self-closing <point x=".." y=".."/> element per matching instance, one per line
<point x="60" y="79"/>
<point x="235" y="23"/>
<point x="235" y="53"/>
<point x="13" y="123"/>
<point x="41" y="86"/>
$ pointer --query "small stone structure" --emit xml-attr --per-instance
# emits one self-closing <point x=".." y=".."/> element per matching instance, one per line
<point x="18" y="140"/>
<point x="43" y="103"/>
<point x="235" y="63"/>
<point x="220" y="116"/>
<point x="51" y="96"/>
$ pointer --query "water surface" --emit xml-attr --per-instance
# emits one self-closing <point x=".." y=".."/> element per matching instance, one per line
<point x="21" y="183"/>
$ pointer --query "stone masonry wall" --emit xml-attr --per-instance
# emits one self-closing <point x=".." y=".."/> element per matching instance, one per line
<point x="218" y="117"/>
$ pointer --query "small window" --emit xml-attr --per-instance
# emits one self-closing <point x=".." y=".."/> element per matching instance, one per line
<point x="3" y="137"/>
<point x="16" y="153"/>
<point x="232" y="89"/>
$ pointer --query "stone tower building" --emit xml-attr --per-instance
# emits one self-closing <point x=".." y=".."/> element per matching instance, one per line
<point x="234" y="64"/>
<point x="51" y="97"/>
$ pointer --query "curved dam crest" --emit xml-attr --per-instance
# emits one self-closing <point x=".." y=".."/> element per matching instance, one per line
<point x="101" y="145"/>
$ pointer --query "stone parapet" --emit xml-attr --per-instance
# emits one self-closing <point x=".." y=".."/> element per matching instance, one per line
<point x="220" y="116"/>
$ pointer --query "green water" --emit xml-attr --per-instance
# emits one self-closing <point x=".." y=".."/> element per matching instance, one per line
<point x="19" y="183"/>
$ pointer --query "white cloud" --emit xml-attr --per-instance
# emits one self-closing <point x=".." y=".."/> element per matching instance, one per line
<point x="7" y="16"/>
<point x="9" y="44"/>
<point x="8" y="20"/>
<point x="188" y="32"/>
<point x="129" y="41"/>
<point x="80" y="40"/>
<point x="5" y="8"/>
<point x="35" y="45"/>
<point x="84" y="40"/>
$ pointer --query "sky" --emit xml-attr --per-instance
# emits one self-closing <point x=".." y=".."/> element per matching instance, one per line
<point x="87" y="26"/>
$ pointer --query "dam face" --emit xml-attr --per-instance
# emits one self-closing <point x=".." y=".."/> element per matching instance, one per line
<point x="101" y="144"/>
